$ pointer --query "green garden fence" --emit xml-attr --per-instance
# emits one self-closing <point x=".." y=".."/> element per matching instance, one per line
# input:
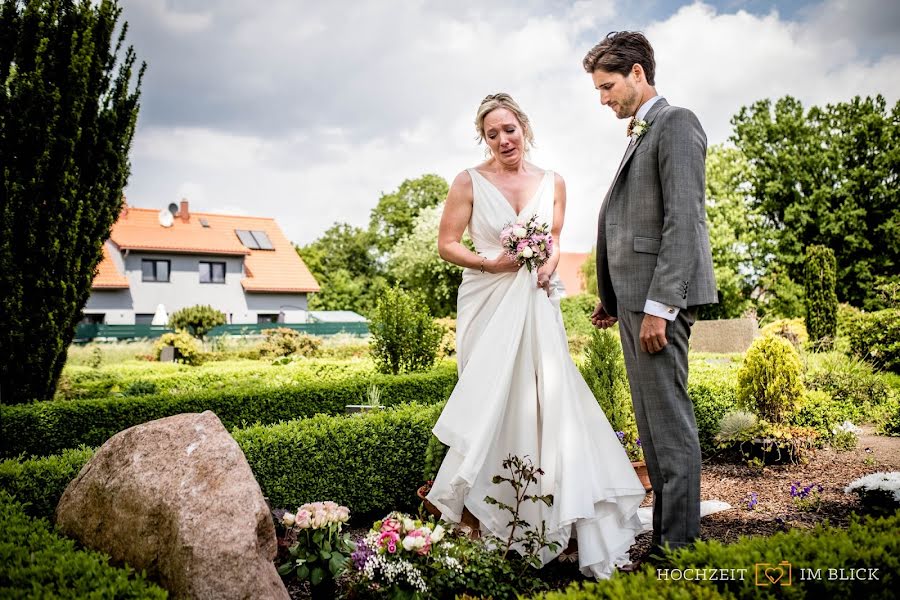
<point x="91" y="331"/>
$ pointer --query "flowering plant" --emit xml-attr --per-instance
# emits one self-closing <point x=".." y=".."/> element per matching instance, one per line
<point x="632" y="445"/>
<point x="529" y="243"/>
<point x="878" y="492"/>
<point x="806" y="497"/>
<point x="318" y="551"/>
<point x="398" y="551"/>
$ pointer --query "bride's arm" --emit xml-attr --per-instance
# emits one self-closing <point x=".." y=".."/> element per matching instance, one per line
<point x="457" y="212"/>
<point x="559" y="214"/>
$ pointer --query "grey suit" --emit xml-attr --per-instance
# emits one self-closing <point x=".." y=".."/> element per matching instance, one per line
<point x="652" y="243"/>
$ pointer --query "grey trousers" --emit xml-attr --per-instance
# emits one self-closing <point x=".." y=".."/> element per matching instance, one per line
<point x="667" y="426"/>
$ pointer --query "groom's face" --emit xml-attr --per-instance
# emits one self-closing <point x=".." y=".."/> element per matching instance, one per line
<point x="617" y="92"/>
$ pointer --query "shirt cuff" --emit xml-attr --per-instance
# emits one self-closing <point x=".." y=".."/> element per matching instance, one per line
<point x="663" y="311"/>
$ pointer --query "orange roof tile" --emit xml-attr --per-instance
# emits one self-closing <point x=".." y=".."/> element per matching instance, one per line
<point x="278" y="270"/>
<point x="569" y="270"/>
<point x="108" y="276"/>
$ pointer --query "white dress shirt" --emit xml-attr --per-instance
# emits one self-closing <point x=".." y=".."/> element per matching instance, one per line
<point x="652" y="307"/>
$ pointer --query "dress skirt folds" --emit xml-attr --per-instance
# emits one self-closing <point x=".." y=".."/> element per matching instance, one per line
<point x="520" y="393"/>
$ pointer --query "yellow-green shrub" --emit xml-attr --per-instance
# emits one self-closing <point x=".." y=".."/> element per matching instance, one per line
<point x="793" y="330"/>
<point x="187" y="350"/>
<point x="770" y="383"/>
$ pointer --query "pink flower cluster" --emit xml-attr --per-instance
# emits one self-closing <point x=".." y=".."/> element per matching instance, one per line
<point x="529" y="243"/>
<point x="399" y="532"/>
<point x="317" y="515"/>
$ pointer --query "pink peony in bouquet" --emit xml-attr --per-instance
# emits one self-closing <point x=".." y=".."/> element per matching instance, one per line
<point x="529" y="243"/>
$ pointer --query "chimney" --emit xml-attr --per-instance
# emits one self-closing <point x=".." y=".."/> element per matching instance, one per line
<point x="183" y="211"/>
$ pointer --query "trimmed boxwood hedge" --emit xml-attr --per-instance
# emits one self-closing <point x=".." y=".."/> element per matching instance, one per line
<point x="712" y="393"/>
<point x="368" y="462"/>
<point x="868" y="544"/>
<point x="35" y="562"/>
<point x="43" y="428"/>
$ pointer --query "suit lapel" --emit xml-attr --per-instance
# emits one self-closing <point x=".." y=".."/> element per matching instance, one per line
<point x="629" y="152"/>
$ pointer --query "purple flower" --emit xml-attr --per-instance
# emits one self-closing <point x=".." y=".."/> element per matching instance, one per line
<point x="361" y="555"/>
<point x="638" y="442"/>
<point x="751" y="504"/>
<point x="620" y="435"/>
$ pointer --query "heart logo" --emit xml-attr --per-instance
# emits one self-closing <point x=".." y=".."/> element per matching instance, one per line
<point x="770" y="574"/>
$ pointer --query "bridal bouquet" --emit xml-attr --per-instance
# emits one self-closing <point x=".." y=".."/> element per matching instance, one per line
<point x="529" y="243"/>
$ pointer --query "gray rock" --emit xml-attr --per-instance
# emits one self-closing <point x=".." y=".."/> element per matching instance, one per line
<point x="177" y="498"/>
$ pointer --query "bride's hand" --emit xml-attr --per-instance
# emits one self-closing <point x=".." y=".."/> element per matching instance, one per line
<point x="543" y="279"/>
<point x="502" y="264"/>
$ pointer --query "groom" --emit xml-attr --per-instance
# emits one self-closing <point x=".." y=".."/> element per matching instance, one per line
<point x="654" y="268"/>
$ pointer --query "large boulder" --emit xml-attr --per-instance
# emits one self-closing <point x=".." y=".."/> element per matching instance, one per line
<point x="176" y="497"/>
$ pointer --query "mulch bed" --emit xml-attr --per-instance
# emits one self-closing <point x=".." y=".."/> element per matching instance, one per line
<point x="775" y="509"/>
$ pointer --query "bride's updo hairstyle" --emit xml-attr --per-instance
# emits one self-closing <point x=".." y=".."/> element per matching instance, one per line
<point x="501" y="100"/>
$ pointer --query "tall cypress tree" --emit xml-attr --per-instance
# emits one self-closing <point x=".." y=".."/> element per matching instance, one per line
<point x="820" y="270"/>
<point x="68" y="109"/>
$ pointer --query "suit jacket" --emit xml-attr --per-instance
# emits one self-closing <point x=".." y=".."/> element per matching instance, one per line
<point x="652" y="239"/>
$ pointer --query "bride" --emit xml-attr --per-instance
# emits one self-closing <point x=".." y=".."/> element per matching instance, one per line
<point x="519" y="392"/>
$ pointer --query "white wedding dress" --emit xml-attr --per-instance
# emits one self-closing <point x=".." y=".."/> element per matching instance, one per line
<point x="520" y="393"/>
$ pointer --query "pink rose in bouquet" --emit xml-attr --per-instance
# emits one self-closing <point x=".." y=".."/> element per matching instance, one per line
<point x="530" y="243"/>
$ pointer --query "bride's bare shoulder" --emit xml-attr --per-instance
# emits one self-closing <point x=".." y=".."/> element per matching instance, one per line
<point x="461" y="188"/>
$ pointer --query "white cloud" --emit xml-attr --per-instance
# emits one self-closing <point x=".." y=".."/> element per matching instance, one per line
<point x="308" y="114"/>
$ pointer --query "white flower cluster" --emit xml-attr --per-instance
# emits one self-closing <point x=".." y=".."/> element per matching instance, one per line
<point x="451" y="563"/>
<point x="392" y="570"/>
<point x="847" y="426"/>
<point x="317" y="515"/>
<point x="882" y="482"/>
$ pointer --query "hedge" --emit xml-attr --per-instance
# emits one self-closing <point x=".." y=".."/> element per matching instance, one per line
<point x="713" y="394"/>
<point x="35" y="562"/>
<point x="869" y="544"/>
<point x="368" y="462"/>
<point x="43" y="428"/>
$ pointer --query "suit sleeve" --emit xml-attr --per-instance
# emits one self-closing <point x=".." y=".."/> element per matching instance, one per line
<point x="682" y="173"/>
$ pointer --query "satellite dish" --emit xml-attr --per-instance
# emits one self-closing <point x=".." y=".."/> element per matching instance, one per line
<point x="173" y="208"/>
<point x="165" y="218"/>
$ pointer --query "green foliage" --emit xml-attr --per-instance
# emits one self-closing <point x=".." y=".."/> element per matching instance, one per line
<point x="712" y="392"/>
<point x="38" y="563"/>
<point x="875" y="337"/>
<point x="780" y="296"/>
<point x="347" y="267"/>
<point x="857" y="392"/>
<point x="39" y="482"/>
<point x="736" y="422"/>
<point x="369" y="462"/>
<point x="819" y="411"/>
<point x="404" y="336"/>
<point x="771" y="381"/>
<point x="414" y="264"/>
<point x="46" y="427"/>
<point x="394" y="216"/>
<point x="187" y="350"/>
<point x="435" y="452"/>
<point x="821" y="296"/>
<point x="589" y="272"/>
<point x="576" y="312"/>
<point x="826" y="176"/>
<point x="197" y="320"/>
<point x="284" y="341"/>
<point x="793" y="330"/>
<point x="604" y="371"/>
<point x="734" y="231"/>
<point x="68" y="107"/>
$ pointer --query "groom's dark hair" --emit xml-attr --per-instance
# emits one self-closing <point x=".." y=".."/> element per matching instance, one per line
<point x="619" y="52"/>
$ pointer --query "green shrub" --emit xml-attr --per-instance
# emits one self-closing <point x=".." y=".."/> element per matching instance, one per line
<point x="854" y="386"/>
<point x="435" y="452"/>
<point x="820" y="278"/>
<point x="197" y="320"/>
<point x="604" y="371"/>
<point x="576" y="312"/>
<point x="875" y="337"/>
<point x="819" y="411"/>
<point x="404" y="336"/>
<point x="891" y="424"/>
<point x="40" y="482"/>
<point x="868" y="544"/>
<point x="770" y="382"/>
<point x="42" y="428"/>
<point x="736" y="422"/>
<point x="713" y="395"/>
<point x="38" y="563"/>
<point x="284" y="341"/>
<point x="187" y="350"/>
<point x="140" y="387"/>
<point x="793" y="330"/>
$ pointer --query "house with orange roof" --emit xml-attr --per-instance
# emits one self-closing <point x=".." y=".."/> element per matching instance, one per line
<point x="242" y="266"/>
<point x="569" y="271"/>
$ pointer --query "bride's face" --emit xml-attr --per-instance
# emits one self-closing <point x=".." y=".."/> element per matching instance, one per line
<point x="503" y="134"/>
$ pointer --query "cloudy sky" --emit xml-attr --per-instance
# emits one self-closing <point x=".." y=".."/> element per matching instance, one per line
<point x="307" y="111"/>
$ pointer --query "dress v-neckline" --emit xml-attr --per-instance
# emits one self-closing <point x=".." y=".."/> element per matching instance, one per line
<point x="506" y="200"/>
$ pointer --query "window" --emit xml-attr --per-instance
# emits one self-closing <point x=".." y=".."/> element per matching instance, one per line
<point x="93" y="319"/>
<point x="143" y="319"/>
<point x="155" y="270"/>
<point x="270" y="318"/>
<point x="255" y="240"/>
<point x="212" y="272"/>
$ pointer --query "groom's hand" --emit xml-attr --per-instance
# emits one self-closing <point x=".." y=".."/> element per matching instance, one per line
<point x="601" y="319"/>
<point x="653" y="334"/>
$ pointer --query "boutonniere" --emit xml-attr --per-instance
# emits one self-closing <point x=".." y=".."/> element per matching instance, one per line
<point x="637" y="128"/>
